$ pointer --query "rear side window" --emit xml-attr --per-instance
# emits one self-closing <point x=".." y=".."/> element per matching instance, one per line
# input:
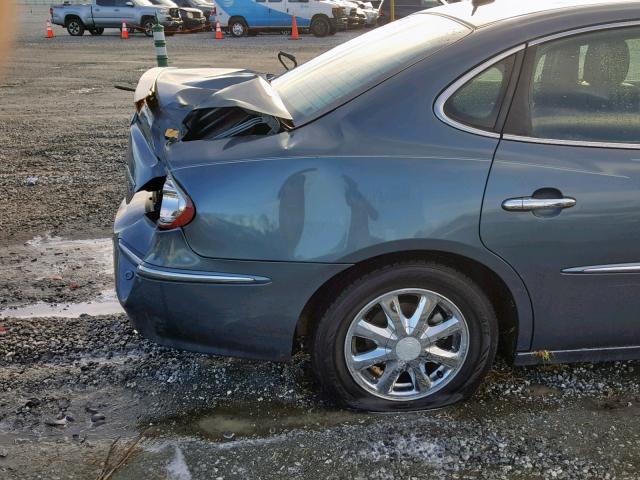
<point x="349" y="69"/>
<point x="581" y="88"/>
<point x="477" y="103"/>
<point x="106" y="3"/>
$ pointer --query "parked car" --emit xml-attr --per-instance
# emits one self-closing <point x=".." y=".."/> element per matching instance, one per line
<point x="403" y="204"/>
<point x="193" y="20"/>
<point x="404" y="8"/>
<point x="100" y="14"/>
<point x="244" y="17"/>
<point x="207" y="8"/>
<point x="371" y="13"/>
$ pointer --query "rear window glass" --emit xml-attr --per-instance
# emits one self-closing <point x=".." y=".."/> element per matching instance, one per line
<point x="351" y="68"/>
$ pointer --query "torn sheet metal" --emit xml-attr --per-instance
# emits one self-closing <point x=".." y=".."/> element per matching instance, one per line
<point x="210" y="88"/>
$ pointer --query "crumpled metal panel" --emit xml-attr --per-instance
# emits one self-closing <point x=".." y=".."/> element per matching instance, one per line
<point x="210" y="88"/>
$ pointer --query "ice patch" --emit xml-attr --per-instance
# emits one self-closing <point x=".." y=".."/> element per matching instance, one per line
<point x="105" y="304"/>
<point x="178" y="468"/>
<point x="96" y="252"/>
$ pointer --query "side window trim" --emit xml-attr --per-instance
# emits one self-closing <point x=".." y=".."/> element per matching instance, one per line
<point x="455" y="86"/>
<point x="574" y="143"/>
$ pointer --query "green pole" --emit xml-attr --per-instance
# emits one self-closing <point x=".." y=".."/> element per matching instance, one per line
<point x="161" y="44"/>
<point x="392" y="11"/>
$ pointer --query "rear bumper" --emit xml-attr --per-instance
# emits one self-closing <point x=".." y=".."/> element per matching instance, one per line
<point x="338" y="23"/>
<point x="194" y="24"/>
<point x="173" y="24"/>
<point x="226" y="307"/>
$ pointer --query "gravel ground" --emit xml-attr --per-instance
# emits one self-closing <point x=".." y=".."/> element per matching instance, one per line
<point x="81" y="396"/>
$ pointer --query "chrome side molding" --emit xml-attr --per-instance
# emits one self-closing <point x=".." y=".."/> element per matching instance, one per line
<point x="613" y="268"/>
<point x="193" y="276"/>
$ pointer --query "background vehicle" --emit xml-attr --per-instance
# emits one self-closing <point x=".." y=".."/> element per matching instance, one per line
<point x="193" y="19"/>
<point x="404" y="8"/>
<point x="205" y="6"/>
<point x="370" y="12"/>
<point x="499" y="205"/>
<point x="101" y="14"/>
<point x="241" y="17"/>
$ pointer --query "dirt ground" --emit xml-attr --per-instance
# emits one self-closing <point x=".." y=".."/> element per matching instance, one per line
<point x="82" y="395"/>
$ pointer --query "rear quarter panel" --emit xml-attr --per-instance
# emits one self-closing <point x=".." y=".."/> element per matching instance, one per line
<point x="370" y="178"/>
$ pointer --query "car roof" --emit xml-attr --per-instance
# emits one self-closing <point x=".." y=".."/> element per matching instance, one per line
<point x="499" y="10"/>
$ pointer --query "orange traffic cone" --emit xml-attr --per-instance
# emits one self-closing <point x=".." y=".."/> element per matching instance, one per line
<point x="294" y="29"/>
<point x="218" y="30"/>
<point x="124" y="32"/>
<point x="49" y="29"/>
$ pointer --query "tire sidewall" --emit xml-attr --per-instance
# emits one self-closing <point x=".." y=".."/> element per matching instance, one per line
<point x="80" y="27"/>
<point x="325" y="27"/>
<point x="240" y="23"/>
<point x="331" y="333"/>
<point x="147" y="27"/>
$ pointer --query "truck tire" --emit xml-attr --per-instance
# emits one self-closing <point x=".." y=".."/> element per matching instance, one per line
<point x="238" y="27"/>
<point x="96" y="31"/>
<point x="75" y="27"/>
<point x="320" y="26"/>
<point x="147" y="26"/>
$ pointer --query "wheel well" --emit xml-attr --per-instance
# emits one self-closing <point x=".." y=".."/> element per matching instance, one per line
<point x="145" y="18"/>
<point x="68" y="18"/>
<point x="492" y="285"/>
<point x="237" y="17"/>
<point x="317" y="16"/>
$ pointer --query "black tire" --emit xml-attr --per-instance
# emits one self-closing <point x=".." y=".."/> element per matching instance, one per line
<point x="96" y="31"/>
<point x="328" y="357"/>
<point x="238" y="27"/>
<point x="320" y="26"/>
<point x="75" y="27"/>
<point x="147" y="26"/>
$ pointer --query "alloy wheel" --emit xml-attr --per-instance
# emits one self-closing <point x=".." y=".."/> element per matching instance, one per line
<point x="74" y="28"/>
<point x="406" y="344"/>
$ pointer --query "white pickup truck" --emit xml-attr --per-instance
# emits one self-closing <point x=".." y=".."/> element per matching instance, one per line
<point x="100" y="14"/>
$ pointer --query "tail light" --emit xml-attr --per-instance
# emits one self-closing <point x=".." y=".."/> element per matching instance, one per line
<point x="176" y="208"/>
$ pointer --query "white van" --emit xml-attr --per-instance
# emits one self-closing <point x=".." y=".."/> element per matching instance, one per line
<point x="244" y="17"/>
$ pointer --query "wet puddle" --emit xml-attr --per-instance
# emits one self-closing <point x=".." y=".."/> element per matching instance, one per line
<point x="78" y="272"/>
<point x="255" y="420"/>
<point x="105" y="304"/>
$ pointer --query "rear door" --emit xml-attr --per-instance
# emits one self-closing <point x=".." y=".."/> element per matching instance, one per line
<point x="562" y="203"/>
<point x="278" y="16"/>
<point x="302" y="11"/>
<point x="124" y="12"/>
<point x="105" y="14"/>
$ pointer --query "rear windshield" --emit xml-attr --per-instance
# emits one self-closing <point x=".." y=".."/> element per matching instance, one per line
<point x="349" y="69"/>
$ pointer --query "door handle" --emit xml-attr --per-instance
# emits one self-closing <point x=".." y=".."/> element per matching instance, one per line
<point x="527" y="204"/>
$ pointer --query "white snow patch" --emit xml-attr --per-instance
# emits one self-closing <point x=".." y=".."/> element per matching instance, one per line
<point x="178" y="468"/>
<point x="105" y="304"/>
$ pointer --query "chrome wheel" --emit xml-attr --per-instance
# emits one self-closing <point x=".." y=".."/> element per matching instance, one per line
<point x="238" y="29"/>
<point x="406" y="344"/>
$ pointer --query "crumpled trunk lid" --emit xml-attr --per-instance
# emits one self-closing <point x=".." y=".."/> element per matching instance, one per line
<point x="184" y="105"/>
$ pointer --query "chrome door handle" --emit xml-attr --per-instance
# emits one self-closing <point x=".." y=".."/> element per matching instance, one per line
<point x="527" y="204"/>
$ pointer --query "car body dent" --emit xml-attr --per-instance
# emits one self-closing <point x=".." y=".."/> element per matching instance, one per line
<point x="311" y="201"/>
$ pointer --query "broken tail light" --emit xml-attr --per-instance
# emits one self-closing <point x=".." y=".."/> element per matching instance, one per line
<point x="176" y="208"/>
